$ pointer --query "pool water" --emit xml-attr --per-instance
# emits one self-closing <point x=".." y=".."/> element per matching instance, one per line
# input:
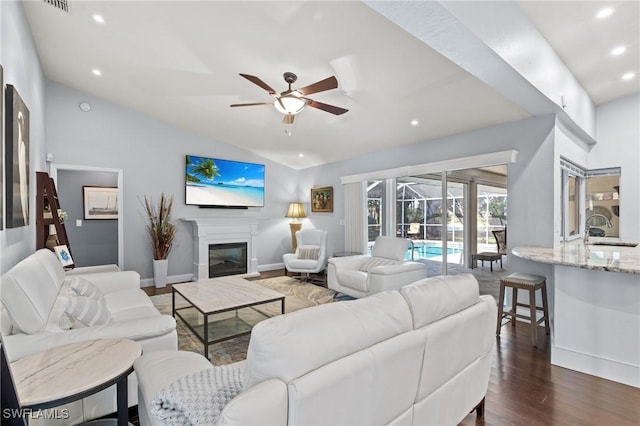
<point x="425" y="251"/>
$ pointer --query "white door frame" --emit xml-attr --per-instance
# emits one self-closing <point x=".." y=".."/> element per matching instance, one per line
<point x="53" y="173"/>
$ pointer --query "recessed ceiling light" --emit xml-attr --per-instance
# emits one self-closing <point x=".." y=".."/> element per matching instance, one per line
<point x="628" y="76"/>
<point x="603" y="13"/>
<point x="414" y="122"/>
<point x="98" y="18"/>
<point x="96" y="71"/>
<point x="618" y="50"/>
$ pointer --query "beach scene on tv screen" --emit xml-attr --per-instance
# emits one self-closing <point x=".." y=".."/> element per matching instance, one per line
<point x="214" y="182"/>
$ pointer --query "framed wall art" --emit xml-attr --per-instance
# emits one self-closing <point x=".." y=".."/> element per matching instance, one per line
<point x="322" y="199"/>
<point x="16" y="159"/>
<point x="1" y="147"/>
<point x="63" y="255"/>
<point x="100" y="202"/>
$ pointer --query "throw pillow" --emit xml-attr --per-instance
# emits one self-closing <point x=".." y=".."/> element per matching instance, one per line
<point x="86" y="288"/>
<point x="88" y="312"/>
<point x="372" y="262"/>
<point x="309" y="253"/>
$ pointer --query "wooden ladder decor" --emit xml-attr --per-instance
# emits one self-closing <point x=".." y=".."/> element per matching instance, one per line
<point x="47" y="205"/>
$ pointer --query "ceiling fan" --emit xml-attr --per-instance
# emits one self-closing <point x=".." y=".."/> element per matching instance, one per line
<point x="292" y="101"/>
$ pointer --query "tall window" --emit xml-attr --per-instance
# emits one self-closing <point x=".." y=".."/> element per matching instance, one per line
<point x="375" y="192"/>
<point x="491" y="215"/>
<point x="572" y="184"/>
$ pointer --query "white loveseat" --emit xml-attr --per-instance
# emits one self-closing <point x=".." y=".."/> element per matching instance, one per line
<point x="385" y="269"/>
<point x="418" y="356"/>
<point x="31" y="293"/>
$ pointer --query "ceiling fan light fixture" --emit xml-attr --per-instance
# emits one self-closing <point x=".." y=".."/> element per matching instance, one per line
<point x="289" y="105"/>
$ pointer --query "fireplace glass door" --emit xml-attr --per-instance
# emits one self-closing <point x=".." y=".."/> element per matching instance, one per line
<point x="227" y="259"/>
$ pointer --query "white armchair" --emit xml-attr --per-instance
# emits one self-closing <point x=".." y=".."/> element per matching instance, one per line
<point x="311" y="255"/>
<point x="385" y="269"/>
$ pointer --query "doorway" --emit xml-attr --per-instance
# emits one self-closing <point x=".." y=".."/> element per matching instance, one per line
<point x="92" y="241"/>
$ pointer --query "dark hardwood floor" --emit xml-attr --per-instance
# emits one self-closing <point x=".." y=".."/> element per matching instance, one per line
<point x="525" y="389"/>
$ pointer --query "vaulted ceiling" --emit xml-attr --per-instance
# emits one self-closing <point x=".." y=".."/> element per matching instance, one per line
<point x="180" y="61"/>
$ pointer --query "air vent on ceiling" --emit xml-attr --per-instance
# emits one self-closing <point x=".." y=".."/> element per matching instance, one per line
<point x="63" y="5"/>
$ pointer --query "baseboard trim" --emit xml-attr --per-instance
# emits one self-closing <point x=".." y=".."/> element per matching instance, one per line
<point x="173" y="279"/>
<point x="271" y="267"/>
<point x="609" y="369"/>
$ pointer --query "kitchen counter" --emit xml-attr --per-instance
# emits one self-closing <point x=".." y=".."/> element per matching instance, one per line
<point x="594" y="292"/>
<point x="599" y="254"/>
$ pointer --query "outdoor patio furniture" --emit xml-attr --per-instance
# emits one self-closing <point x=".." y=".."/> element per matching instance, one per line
<point x="490" y="256"/>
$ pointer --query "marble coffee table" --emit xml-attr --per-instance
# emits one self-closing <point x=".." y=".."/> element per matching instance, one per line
<point x="67" y="373"/>
<point x="217" y="296"/>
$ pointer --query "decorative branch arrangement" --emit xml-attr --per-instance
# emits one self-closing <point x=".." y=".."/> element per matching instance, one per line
<point x="161" y="230"/>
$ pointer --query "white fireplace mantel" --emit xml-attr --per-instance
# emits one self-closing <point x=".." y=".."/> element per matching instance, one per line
<point x="222" y="231"/>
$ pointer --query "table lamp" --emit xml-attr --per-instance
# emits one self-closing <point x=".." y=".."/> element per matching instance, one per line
<point x="295" y="212"/>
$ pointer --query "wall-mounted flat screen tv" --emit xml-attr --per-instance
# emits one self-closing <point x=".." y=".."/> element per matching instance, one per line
<point x="212" y="182"/>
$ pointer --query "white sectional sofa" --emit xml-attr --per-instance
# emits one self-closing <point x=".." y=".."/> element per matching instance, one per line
<point x="33" y="293"/>
<point x="417" y="356"/>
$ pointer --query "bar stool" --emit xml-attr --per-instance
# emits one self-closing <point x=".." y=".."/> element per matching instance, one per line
<point x="531" y="283"/>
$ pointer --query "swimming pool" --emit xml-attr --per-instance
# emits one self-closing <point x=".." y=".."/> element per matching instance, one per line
<point x="426" y="250"/>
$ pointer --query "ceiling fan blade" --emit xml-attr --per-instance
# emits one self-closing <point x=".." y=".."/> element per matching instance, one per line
<point x="288" y="119"/>
<point x="320" y="86"/>
<point x="255" y="80"/>
<point x="326" y="107"/>
<point x="251" y="104"/>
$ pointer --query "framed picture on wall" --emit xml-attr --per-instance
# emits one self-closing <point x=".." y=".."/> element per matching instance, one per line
<point x="1" y="146"/>
<point x="100" y="202"/>
<point x="322" y="199"/>
<point x="16" y="159"/>
<point x="63" y="255"/>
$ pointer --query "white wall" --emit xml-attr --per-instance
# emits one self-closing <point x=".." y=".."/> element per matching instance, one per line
<point x="151" y="154"/>
<point x="530" y="180"/>
<point x="22" y="69"/>
<point x="618" y="144"/>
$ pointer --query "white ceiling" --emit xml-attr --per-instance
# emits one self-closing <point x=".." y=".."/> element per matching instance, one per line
<point x="179" y="61"/>
<point x="585" y="42"/>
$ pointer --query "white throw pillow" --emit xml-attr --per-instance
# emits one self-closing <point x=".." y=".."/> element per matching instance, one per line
<point x="86" y="288"/>
<point x="88" y="312"/>
<point x="58" y="320"/>
<point x="309" y="253"/>
<point x="372" y="262"/>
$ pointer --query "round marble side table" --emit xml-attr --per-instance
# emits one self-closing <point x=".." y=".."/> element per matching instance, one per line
<point x="67" y="373"/>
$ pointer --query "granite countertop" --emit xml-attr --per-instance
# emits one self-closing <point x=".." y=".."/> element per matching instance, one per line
<point x="597" y="255"/>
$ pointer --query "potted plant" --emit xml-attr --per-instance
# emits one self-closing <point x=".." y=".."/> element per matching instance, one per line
<point x="162" y="233"/>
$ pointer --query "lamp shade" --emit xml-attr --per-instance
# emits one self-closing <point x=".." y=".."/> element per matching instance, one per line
<point x="289" y="105"/>
<point x="295" y="211"/>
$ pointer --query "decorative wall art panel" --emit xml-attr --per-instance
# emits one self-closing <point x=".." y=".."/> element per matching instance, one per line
<point x="322" y="199"/>
<point x="100" y="202"/>
<point x="16" y="159"/>
<point x="1" y="147"/>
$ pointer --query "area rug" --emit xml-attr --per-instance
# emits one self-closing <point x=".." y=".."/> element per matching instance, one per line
<point x="298" y="295"/>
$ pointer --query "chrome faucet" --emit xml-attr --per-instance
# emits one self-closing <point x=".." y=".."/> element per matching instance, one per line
<point x="596" y="223"/>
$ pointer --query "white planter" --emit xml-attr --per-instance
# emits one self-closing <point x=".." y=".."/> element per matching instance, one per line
<point x="160" y="272"/>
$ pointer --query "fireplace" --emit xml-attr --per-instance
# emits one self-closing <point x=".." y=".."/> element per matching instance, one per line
<point x="223" y="231"/>
<point x="227" y="259"/>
